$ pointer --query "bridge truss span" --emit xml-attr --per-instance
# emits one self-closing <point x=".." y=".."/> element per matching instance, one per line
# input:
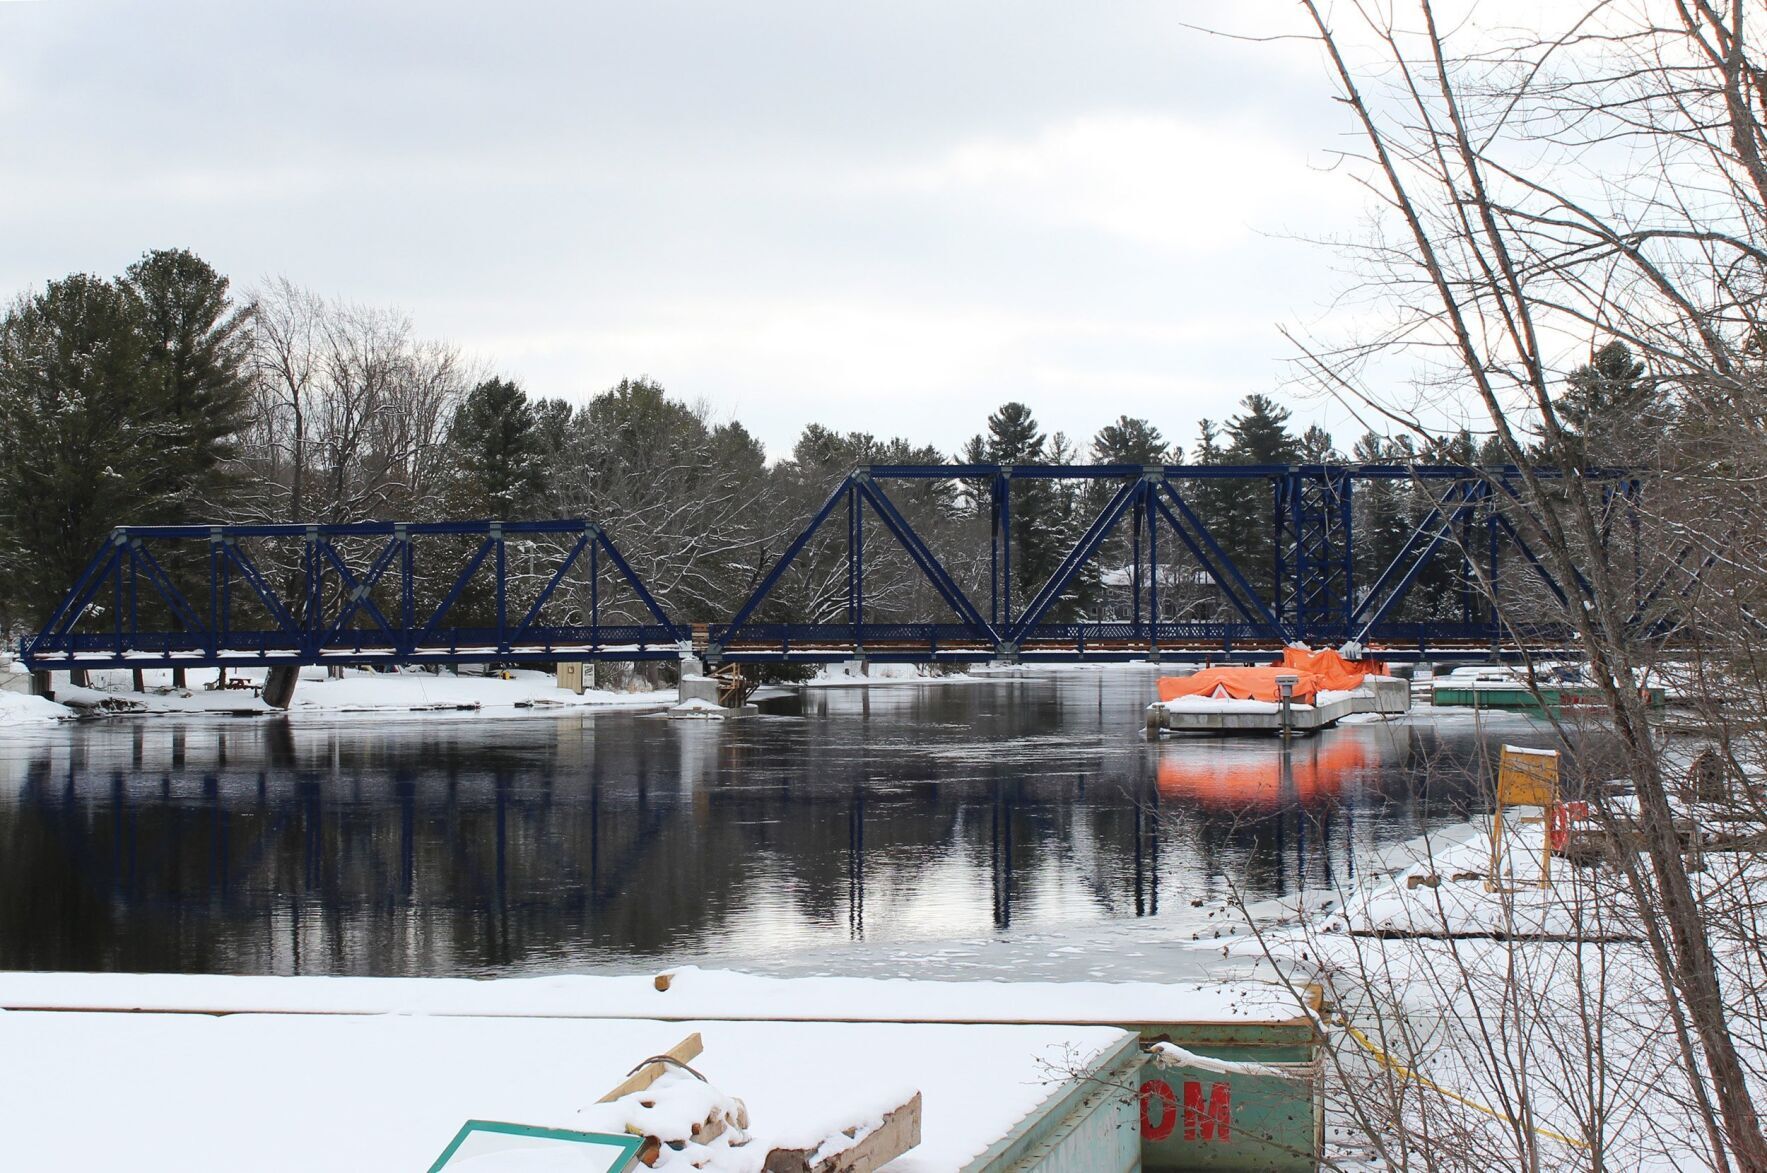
<point x="361" y="593"/>
<point x="1141" y="572"/>
<point x="1310" y="585"/>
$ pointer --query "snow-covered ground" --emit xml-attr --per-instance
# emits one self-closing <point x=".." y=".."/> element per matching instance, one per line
<point x="855" y="674"/>
<point x="18" y="710"/>
<point x="266" y="1092"/>
<point x="516" y="692"/>
<point x="690" y="993"/>
<point x="1481" y="1000"/>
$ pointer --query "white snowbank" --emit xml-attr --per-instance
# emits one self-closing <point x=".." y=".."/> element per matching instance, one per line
<point x="693" y="993"/>
<point x="303" y="1092"/>
<point x="857" y="674"/>
<point x="358" y="691"/>
<point x="19" y="710"/>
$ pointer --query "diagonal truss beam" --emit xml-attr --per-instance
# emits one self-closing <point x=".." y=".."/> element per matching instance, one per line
<point x="1130" y="495"/>
<point x="1402" y="573"/>
<point x="923" y="557"/>
<point x="254" y="578"/>
<point x="1216" y="561"/>
<point x="359" y="597"/>
<point x="753" y="602"/>
<point x="144" y="561"/>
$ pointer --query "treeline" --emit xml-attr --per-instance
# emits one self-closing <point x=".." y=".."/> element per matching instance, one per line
<point x="163" y="396"/>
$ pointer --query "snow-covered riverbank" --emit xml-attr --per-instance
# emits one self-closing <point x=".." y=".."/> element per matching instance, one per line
<point x="513" y="693"/>
<point x="1521" y="1023"/>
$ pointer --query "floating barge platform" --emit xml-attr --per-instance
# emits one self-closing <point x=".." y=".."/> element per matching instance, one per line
<point x="1384" y="695"/>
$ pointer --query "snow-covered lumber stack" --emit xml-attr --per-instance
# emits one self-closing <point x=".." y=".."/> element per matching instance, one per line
<point x="687" y="1123"/>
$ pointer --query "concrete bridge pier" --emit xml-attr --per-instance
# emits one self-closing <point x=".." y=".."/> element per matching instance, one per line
<point x="279" y="685"/>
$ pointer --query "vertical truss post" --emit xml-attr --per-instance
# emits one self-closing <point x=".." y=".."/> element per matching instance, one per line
<point x="315" y="601"/>
<point x="1347" y="527"/>
<point x="1286" y="540"/>
<point x="225" y="636"/>
<point x="1005" y="491"/>
<point x="134" y="593"/>
<point x="1491" y="568"/>
<point x="1139" y="507"/>
<point x="502" y="586"/>
<point x="1149" y="478"/>
<point x="858" y="564"/>
<point x="1315" y="552"/>
<point x="853" y="558"/>
<point x="216" y="568"/>
<point x="595" y="591"/>
<point x="122" y="540"/>
<point x="407" y="586"/>
<point x="994" y="551"/>
<point x="1467" y="576"/>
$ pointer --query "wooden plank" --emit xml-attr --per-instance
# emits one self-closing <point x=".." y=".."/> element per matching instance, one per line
<point x="685" y="1051"/>
<point x="899" y="1132"/>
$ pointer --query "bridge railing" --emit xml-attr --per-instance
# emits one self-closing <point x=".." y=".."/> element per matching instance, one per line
<point x="245" y="649"/>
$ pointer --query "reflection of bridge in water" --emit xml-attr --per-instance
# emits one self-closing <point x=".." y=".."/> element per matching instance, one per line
<point x="273" y="848"/>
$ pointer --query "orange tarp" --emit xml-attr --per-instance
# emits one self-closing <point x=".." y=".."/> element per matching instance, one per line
<point x="1241" y="684"/>
<point x="1336" y="674"/>
<point x="1314" y="672"/>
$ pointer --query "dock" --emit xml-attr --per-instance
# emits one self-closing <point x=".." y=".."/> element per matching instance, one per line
<point x="1387" y="696"/>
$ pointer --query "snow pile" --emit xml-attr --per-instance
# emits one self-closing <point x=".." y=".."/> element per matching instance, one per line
<point x="409" y="1082"/>
<point x="698" y="1125"/>
<point x="511" y="693"/>
<point x="693" y="994"/>
<point x="860" y="673"/>
<point x="18" y="710"/>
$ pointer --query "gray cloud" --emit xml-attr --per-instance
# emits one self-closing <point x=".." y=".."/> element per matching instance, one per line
<point x="889" y="218"/>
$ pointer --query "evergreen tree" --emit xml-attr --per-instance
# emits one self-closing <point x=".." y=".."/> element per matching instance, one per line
<point x="1258" y="435"/>
<point x="194" y="381"/>
<point x="1127" y="441"/>
<point x="496" y="437"/>
<point x="1130" y="441"/>
<point x="1316" y="446"/>
<point x="1209" y="498"/>
<point x="1613" y="410"/>
<point x="80" y="448"/>
<point x="1380" y="508"/>
<point x="1013" y="437"/>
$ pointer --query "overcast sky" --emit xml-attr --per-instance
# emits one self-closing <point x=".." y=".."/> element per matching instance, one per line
<point x="888" y="217"/>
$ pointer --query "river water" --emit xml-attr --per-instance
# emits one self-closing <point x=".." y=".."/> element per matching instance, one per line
<point x="1022" y="826"/>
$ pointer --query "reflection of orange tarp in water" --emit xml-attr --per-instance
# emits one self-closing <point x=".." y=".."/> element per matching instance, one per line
<point x="1314" y="672"/>
<point x="1237" y="781"/>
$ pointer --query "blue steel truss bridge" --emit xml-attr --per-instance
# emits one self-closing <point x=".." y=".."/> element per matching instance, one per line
<point x="543" y="591"/>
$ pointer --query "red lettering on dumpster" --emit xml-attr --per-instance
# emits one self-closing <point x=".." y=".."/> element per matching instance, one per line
<point x="1158" y="1089"/>
<point x="1207" y="1122"/>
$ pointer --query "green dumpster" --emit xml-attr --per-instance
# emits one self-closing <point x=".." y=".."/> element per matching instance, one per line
<point x="1197" y="1119"/>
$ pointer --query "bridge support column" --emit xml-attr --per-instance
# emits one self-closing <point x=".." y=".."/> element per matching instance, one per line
<point x="279" y="685"/>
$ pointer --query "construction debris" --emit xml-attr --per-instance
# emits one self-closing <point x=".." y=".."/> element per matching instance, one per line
<point x="860" y="1148"/>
